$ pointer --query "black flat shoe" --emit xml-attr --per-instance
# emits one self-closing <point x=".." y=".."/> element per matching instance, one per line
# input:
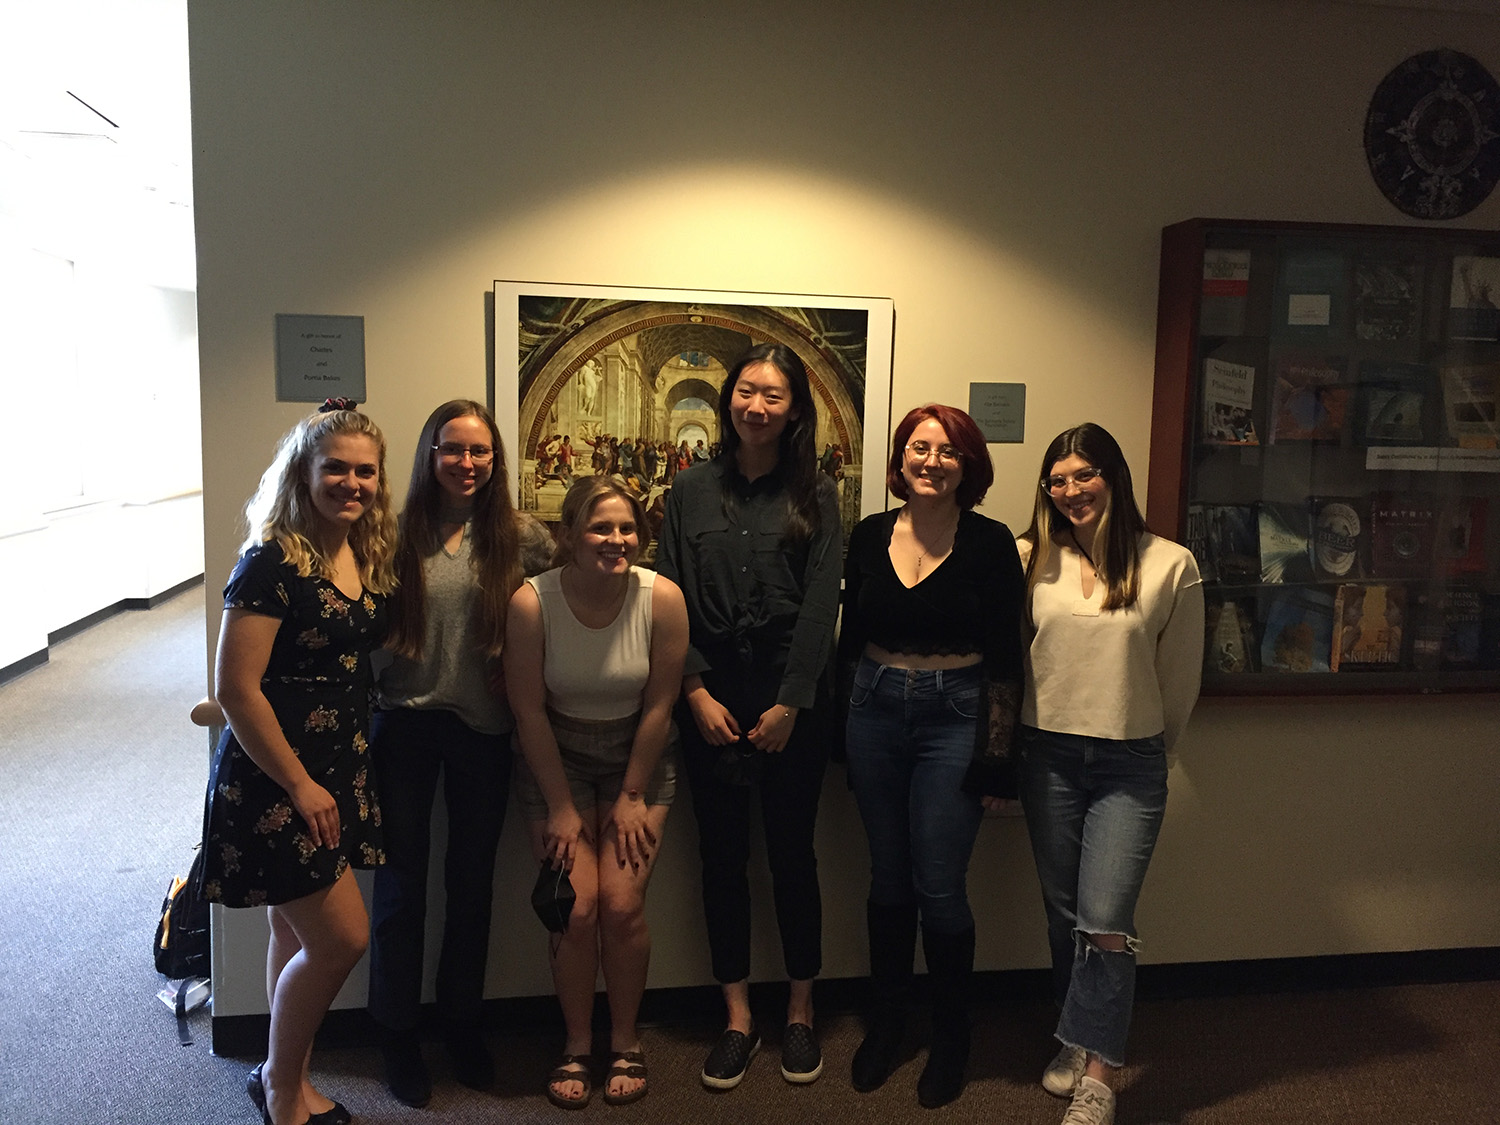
<point x="255" y="1086"/>
<point x="729" y="1059"/>
<point x="406" y="1075"/>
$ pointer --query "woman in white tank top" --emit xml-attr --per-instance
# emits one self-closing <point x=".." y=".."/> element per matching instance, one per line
<point x="593" y="663"/>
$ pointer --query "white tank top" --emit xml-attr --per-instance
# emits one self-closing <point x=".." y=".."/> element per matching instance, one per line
<point x="596" y="673"/>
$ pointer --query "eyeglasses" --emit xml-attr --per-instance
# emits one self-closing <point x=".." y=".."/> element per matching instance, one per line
<point x="946" y="454"/>
<point x="453" y="451"/>
<point x="1059" y="483"/>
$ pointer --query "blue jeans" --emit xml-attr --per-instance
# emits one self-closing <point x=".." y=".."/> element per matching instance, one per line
<point x="1093" y="808"/>
<point x="910" y="740"/>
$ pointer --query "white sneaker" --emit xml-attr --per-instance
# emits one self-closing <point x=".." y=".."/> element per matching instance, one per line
<point x="1093" y="1104"/>
<point x="1062" y="1073"/>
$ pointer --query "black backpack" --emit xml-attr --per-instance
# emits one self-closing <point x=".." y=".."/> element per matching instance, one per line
<point x="181" y="945"/>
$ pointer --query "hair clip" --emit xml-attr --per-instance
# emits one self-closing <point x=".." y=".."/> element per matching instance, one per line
<point x="332" y="404"/>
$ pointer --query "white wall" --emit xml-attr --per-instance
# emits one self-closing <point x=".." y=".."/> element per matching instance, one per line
<point x="1003" y="172"/>
<point x="99" y="438"/>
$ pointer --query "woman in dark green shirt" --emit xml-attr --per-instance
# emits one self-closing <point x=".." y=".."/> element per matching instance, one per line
<point x="753" y="539"/>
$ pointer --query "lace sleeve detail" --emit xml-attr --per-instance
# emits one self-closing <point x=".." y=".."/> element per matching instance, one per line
<point x="992" y="773"/>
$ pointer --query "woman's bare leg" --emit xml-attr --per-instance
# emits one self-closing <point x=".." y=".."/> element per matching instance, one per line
<point x="331" y="929"/>
<point x="575" y="962"/>
<point x="624" y="940"/>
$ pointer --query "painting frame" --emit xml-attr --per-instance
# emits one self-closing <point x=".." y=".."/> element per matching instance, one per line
<point x="644" y="343"/>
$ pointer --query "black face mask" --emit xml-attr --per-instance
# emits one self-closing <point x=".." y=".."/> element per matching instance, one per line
<point x="552" y="898"/>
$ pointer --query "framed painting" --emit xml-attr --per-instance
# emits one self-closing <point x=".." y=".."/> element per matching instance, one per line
<point x="626" y="381"/>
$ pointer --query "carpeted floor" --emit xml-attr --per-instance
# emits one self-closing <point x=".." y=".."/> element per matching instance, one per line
<point x="100" y="789"/>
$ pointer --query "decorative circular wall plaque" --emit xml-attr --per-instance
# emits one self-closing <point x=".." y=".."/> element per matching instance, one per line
<point x="1431" y="135"/>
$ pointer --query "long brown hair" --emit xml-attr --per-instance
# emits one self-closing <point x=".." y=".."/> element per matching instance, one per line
<point x="494" y="550"/>
<point x="281" y="509"/>
<point x="1117" y="541"/>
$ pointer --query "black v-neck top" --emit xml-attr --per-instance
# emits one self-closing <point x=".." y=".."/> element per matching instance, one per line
<point x="970" y="603"/>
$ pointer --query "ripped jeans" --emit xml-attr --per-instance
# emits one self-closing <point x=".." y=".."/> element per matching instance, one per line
<point x="1093" y="809"/>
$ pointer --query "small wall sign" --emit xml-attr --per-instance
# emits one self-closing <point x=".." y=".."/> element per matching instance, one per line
<point x="1000" y="410"/>
<point x="319" y="357"/>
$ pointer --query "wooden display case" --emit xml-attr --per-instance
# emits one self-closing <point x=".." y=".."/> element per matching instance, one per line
<point x="1324" y="439"/>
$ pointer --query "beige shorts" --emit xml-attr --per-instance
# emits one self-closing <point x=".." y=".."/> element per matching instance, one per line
<point x="594" y="756"/>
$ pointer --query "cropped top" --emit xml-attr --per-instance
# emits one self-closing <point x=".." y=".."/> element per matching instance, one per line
<point x="596" y="673"/>
<point x="971" y="603"/>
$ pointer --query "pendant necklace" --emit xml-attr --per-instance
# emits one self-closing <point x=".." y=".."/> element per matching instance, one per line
<point x="922" y="554"/>
<point x="1081" y="551"/>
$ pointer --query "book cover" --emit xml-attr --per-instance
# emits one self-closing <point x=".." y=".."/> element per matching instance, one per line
<point x="1403" y="526"/>
<point x="1309" y="399"/>
<point x="1233" y="538"/>
<point x="1371" y="621"/>
<point x="1226" y="292"/>
<point x="1448" y="629"/>
<point x="1195" y="539"/>
<point x="1390" y="404"/>
<point x="1229" y="636"/>
<point x="1387" y="300"/>
<point x="1228" y="391"/>
<point x="1285" y="534"/>
<point x="1312" y="294"/>
<point x="1298" y="634"/>
<point x="1474" y="300"/>
<point x="1470" y="394"/>
<point x="1458" y="544"/>
<point x="1339" y="537"/>
<point x="1489" y="632"/>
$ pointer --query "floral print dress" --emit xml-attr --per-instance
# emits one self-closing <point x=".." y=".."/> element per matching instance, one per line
<point x="257" y="850"/>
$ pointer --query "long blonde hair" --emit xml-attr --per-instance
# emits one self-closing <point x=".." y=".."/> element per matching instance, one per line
<point x="282" y="511"/>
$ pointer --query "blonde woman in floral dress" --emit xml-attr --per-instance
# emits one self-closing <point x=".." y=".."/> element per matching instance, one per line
<point x="290" y="805"/>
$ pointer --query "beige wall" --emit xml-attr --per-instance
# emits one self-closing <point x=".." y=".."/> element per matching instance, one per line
<point x="1002" y="171"/>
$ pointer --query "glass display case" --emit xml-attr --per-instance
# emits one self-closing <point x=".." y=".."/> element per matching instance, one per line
<point x="1324" y="440"/>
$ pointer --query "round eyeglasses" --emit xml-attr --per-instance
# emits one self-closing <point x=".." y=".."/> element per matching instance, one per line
<point x="946" y="454"/>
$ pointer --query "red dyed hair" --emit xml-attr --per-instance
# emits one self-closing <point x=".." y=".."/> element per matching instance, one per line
<point x="963" y="434"/>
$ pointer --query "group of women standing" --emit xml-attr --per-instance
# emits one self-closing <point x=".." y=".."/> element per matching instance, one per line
<point x="976" y="668"/>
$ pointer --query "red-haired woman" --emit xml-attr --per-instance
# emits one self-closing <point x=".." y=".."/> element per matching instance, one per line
<point x="932" y="635"/>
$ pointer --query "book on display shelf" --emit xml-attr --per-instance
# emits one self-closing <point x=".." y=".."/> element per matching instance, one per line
<point x="1390" y="404"/>
<point x="1474" y="299"/>
<point x="1387" y="298"/>
<point x="1370" y="621"/>
<point x="1229" y="636"/>
<point x="1340" y="536"/>
<point x="1448" y="629"/>
<point x="1285" y="533"/>
<point x="1470" y="395"/>
<point x="1403" y="526"/>
<point x="1312" y="294"/>
<point x="1459" y="542"/>
<point x="1226" y="293"/>
<point x="1231" y="543"/>
<point x="1309" y="399"/>
<point x="1298" y="634"/>
<point x="1228" y="396"/>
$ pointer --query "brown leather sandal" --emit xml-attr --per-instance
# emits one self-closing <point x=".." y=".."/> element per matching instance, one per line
<point x="626" y="1064"/>
<point x="563" y="1072"/>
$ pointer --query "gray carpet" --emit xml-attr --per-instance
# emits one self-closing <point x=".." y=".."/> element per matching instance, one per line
<point x="101" y="780"/>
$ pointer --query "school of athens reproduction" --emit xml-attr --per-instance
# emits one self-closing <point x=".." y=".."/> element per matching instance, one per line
<point x="629" y="384"/>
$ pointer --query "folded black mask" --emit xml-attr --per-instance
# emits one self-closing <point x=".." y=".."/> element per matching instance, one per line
<point x="552" y="898"/>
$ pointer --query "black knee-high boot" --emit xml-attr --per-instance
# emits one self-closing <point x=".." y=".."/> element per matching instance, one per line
<point x="950" y="972"/>
<point x="893" y="945"/>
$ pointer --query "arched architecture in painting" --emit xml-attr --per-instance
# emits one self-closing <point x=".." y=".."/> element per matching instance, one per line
<point x="616" y="386"/>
